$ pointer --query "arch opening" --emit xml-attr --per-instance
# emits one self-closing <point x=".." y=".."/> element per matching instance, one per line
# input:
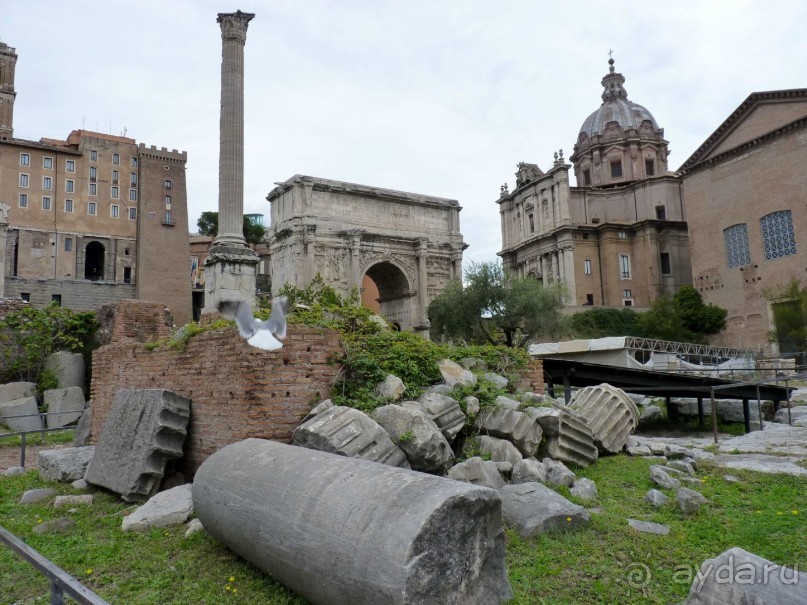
<point x="386" y="291"/>
<point x="94" y="261"/>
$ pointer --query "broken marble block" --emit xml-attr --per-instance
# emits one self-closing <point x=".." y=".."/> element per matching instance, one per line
<point x="497" y="450"/>
<point x="558" y="473"/>
<point x="144" y="430"/>
<point x="63" y="406"/>
<point x="445" y="411"/>
<point x="662" y="478"/>
<point x="16" y="390"/>
<point x="739" y="577"/>
<point x="67" y="464"/>
<point x="533" y="508"/>
<point x="391" y="388"/>
<point x="68" y="368"/>
<point x="171" y="507"/>
<point x="339" y="530"/>
<point x="516" y="427"/>
<point x="21" y="414"/>
<point x="566" y="436"/>
<point x="454" y="374"/>
<point x="609" y="412"/>
<point x="528" y="470"/>
<point x="479" y="472"/>
<point x="349" y="432"/>
<point x="417" y="435"/>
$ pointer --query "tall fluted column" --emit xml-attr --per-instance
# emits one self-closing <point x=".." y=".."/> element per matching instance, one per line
<point x="230" y="265"/>
<point x="231" y="128"/>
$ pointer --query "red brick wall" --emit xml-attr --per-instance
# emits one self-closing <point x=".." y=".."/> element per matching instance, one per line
<point x="532" y="377"/>
<point x="133" y="320"/>
<point x="236" y="390"/>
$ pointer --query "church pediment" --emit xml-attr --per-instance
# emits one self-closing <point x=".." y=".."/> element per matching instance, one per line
<point x="760" y="114"/>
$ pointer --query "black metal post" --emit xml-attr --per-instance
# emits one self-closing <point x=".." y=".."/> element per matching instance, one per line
<point x="701" y="420"/>
<point x="747" y="415"/>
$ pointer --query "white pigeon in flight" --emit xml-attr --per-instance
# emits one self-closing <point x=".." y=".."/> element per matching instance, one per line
<point x="267" y="335"/>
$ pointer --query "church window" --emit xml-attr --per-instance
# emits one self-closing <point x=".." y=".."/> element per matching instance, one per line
<point x="586" y="178"/>
<point x="777" y="234"/>
<point x="661" y="213"/>
<point x="624" y="265"/>
<point x="532" y="223"/>
<point x="587" y="267"/>
<point x="616" y="169"/>
<point x="666" y="266"/>
<point x="649" y="167"/>
<point x="737" y="252"/>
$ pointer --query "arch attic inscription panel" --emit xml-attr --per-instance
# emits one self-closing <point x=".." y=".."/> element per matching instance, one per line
<point x="409" y="244"/>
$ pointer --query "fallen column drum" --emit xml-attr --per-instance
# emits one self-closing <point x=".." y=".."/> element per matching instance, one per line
<point x="341" y="530"/>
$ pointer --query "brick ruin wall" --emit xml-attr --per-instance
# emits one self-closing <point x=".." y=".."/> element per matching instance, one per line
<point x="236" y="390"/>
<point x="132" y="321"/>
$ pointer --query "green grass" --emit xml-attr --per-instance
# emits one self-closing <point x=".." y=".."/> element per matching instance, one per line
<point x="592" y="565"/>
<point x="50" y="438"/>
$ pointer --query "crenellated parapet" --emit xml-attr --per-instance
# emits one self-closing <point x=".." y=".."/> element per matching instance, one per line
<point x="162" y="153"/>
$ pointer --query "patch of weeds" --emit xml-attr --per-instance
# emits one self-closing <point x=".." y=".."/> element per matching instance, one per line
<point x="179" y="339"/>
<point x="407" y="436"/>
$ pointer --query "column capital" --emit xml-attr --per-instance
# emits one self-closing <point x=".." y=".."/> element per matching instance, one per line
<point x="234" y="25"/>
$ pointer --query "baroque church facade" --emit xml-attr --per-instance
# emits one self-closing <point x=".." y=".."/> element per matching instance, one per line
<point x="619" y="237"/>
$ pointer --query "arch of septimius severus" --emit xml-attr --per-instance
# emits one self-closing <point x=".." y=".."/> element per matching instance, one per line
<point x="410" y="245"/>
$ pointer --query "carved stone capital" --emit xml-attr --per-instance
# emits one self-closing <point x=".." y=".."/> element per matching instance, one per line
<point x="234" y="25"/>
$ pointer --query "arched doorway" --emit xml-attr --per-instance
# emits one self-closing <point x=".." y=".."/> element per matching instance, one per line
<point x="394" y="294"/>
<point x="94" y="261"/>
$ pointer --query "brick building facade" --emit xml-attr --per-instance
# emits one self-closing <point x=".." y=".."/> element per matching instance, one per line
<point x="92" y="219"/>
<point x="745" y="195"/>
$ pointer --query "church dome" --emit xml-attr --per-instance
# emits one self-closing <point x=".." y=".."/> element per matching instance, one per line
<point x="616" y="108"/>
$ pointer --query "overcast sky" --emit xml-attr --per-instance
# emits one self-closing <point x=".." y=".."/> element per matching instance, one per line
<point x="438" y="97"/>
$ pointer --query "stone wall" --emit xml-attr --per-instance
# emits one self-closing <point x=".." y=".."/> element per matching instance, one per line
<point x="78" y="295"/>
<point x="237" y="391"/>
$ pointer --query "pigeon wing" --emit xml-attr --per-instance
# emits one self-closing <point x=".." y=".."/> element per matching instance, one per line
<point x="276" y="323"/>
<point x="246" y="322"/>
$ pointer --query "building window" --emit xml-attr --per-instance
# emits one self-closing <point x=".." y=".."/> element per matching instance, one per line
<point x="628" y="302"/>
<point x="116" y="158"/>
<point x="532" y="223"/>
<point x="23" y="180"/>
<point x="624" y="265"/>
<point x="616" y="169"/>
<point x="589" y="300"/>
<point x="132" y="195"/>
<point x="115" y="176"/>
<point x="168" y="220"/>
<point x="47" y="183"/>
<point x="69" y="186"/>
<point x="93" y="173"/>
<point x="587" y="267"/>
<point x="661" y="213"/>
<point x="649" y="167"/>
<point x="133" y="213"/>
<point x="586" y="178"/>
<point x="666" y="267"/>
<point x="114" y="210"/>
<point x="92" y="208"/>
<point x="26" y="296"/>
<point x="167" y="184"/>
<point x="127" y="275"/>
<point x="133" y="180"/>
<point x="68" y="244"/>
<point x="622" y="234"/>
<point x="115" y="193"/>
<point x="167" y="200"/>
<point x="93" y="155"/>
<point x="737" y="252"/>
<point x="45" y="203"/>
<point x="133" y="163"/>
<point x="70" y="166"/>
<point x="23" y="200"/>
<point x="56" y="299"/>
<point x="68" y="205"/>
<point x="93" y="188"/>
<point x="777" y="234"/>
<point x="47" y="163"/>
<point x="25" y="159"/>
